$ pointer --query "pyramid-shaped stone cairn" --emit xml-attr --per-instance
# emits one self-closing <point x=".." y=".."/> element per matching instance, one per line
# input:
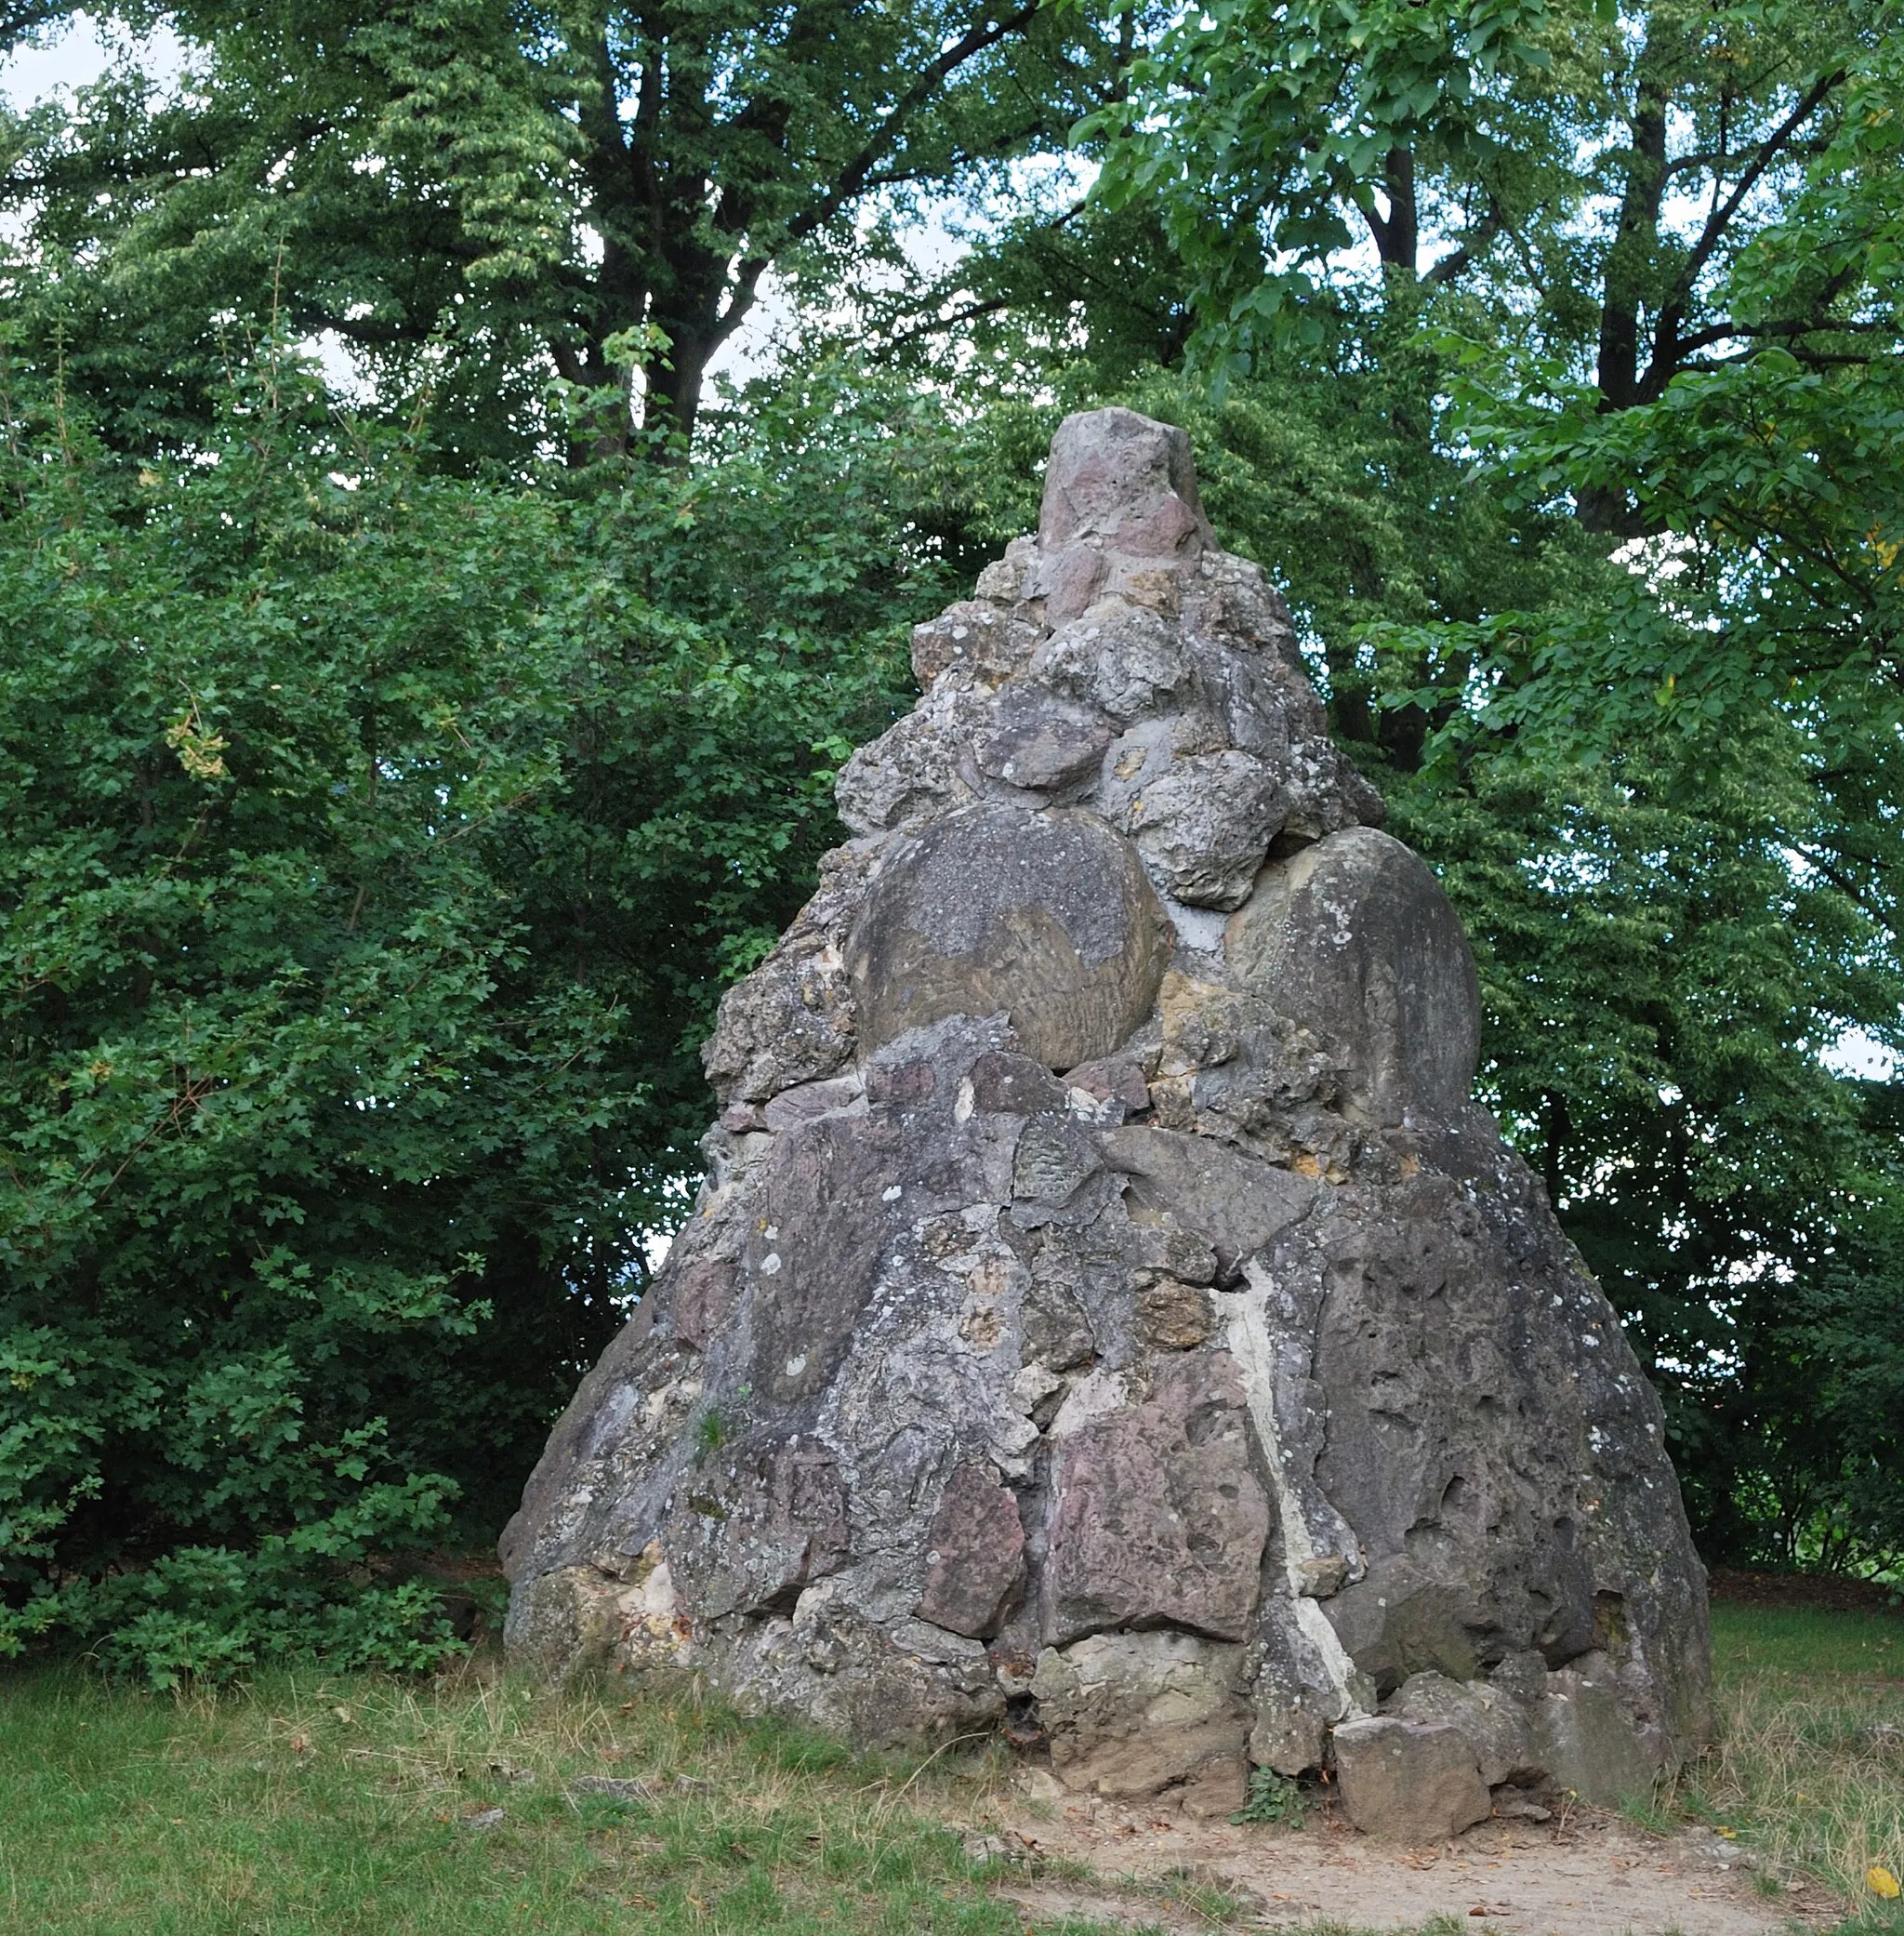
<point x="1105" y="1316"/>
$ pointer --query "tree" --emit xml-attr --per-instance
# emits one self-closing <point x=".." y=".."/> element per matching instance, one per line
<point x="376" y="845"/>
<point x="475" y="194"/>
<point x="1651" y="254"/>
<point x="1594" y="171"/>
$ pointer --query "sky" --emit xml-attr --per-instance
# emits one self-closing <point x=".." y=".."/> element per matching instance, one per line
<point x="78" y="53"/>
<point x="74" y="56"/>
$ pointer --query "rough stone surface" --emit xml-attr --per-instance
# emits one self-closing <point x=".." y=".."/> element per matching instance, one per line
<point x="977" y="1557"/>
<point x="1583" y="1740"/>
<point x="1206" y="824"/>
<point x="1036" y="740"/>
<point x="1408" y="1782"/>
<point x="1047" y="919"/>
<point x="1106" y="1315"/>
<point x="1130" y="1715"/>
<point x="1159" y="1518"/>
<point x="1493" y="1723"/>
<point x="1354" y="940"/>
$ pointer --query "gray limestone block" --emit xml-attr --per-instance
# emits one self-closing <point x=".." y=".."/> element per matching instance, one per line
<point x="1454" y="1318"/>
<point x="1057" y="1331"/>
<point x="1036" y="740"/>
<point x="914" y="770"/>
<point x="1111" y="1079"/>
<point x="599" y="1441"/>
<point x="820" y="1237"/>
<point x="1232" y="598"/>
<point x="703" y="1298"/>
<point x="975" y="636"/>
<point x="1130" y="1715"/>
<point x="1014" y="1085"/>
<point x="1054" y="1159"/>
<point x="906" y="1687"/>
<point x="1326" y="793"/>
<point x="792" y="1020"/>
<point x="1117" y="658"/>
<point x="1048" y="919"/>
<point x="755" y="1524"/>
<point x="1234" y="1203"/>
<point x="1064" y="581"/>
<point x="1494" y="1725"/>
<point x="1002" y="582"/>
<point x="1259" y="704"/>
<point x="1354" y="939"/>
<point x="808" y="1100"/>
<point x="1292" y="1695"/>
<point x="1586" y="1742"/>
<point x="1205" y="824"/>
<point x="1403" y="1782"/>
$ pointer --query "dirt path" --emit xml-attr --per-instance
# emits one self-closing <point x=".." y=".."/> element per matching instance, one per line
<point x="1586" y="1875"/>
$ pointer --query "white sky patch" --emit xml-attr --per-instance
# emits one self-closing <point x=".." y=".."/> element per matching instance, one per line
<point x="1656" y="560"/>
<point x="1861" y="1055"/>
<point x="342" y="375"/>
<point x="76" y="53"/>
<point x="935" y="242"/>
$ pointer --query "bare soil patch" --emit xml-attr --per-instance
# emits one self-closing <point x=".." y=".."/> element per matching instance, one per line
<point x="1584" y="1873"/>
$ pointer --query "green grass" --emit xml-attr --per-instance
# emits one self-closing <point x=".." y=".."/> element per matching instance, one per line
<point x="1804" y="1774"/>
<point x="352" y="1804"/>
<point x="343" y="1805"/>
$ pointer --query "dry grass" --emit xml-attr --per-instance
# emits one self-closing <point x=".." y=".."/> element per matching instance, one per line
<point x="353" y="1804"/>
<point x="1809" y="1769"/>
<point x="367" y="1807"/>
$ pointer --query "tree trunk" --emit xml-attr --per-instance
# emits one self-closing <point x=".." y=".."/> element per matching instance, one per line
<point x="1397" y="235"/>
<point x="1636" y="239"/>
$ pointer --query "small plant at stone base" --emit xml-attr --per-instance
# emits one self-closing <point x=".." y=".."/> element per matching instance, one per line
<point x="1273" y="1798"/>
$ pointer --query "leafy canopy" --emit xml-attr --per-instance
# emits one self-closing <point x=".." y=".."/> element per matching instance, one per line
<point x="377" y="846"/>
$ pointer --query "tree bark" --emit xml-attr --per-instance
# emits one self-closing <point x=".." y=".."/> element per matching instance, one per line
<point x="1624" y="290"/>
<point x="1397" y="233"/>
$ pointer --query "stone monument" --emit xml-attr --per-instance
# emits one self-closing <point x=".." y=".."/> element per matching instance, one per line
<point x="1105" y="1316"/>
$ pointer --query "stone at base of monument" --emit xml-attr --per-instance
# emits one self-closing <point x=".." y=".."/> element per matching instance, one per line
<point x="1132" y="1715"/>
<point x="1107" y="1317"/>
<point x="1406" y="1781"/>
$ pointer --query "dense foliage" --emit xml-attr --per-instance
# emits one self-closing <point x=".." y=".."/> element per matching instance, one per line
<point x="391" y="790"/>
<point x="477" y="196"/>
<point x="377" y="846"/>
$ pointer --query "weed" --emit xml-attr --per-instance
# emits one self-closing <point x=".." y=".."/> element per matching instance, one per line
<point x="1274" y="1799"/>
<point x="360" y="1806"/>
<point x="1651" y="1812"/>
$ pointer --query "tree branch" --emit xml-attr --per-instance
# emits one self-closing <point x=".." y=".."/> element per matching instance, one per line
<point x="1665" y="359"/>
<point x="1476" y="241"/>
<point x="852" y="177"/>
<point x="1806" y="325"/>
<point x="934" y="324"/>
